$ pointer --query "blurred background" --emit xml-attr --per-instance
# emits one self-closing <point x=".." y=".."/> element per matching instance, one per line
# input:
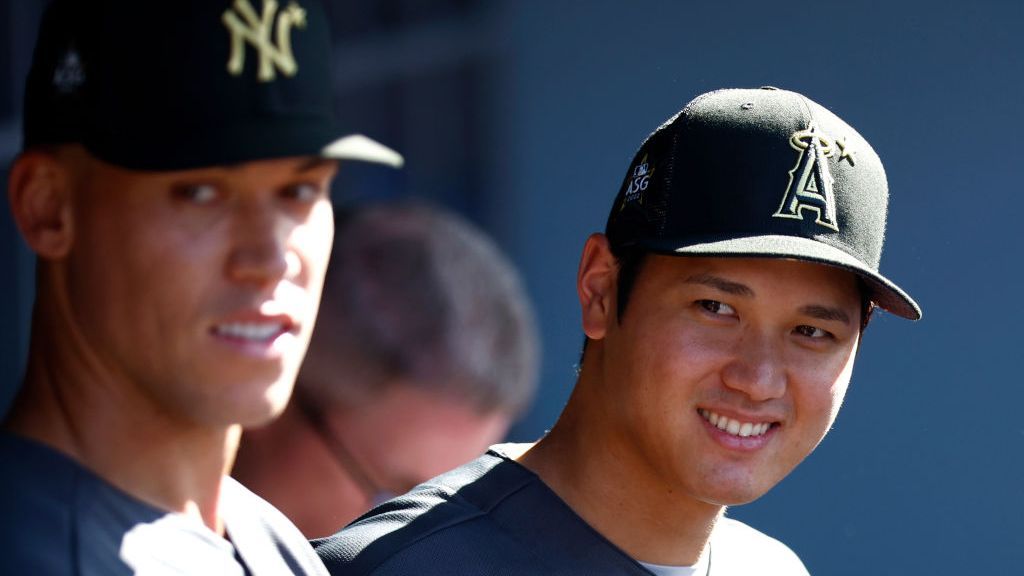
<point x="522" y="115"/>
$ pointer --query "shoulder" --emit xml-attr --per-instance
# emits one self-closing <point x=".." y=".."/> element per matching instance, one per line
<point x="58" y="517"/>
<point x="739" y="549"/>
<point x="37" y="494"/>
<point x="441" y="523"/>
<point x="35" y="466"/>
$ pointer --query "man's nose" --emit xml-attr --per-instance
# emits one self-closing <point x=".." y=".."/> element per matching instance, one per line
<point x="260" y="251"/>
<point x="757" y="368"/>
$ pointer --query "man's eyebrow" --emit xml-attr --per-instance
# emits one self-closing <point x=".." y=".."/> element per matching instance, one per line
<point x="721" y="284"/>
<point x="826" y="313"/>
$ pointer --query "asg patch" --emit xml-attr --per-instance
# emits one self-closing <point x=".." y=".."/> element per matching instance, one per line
<point x="245" y="25"/>
<point x="810" y="181"/>
<point x="638" y="182"/>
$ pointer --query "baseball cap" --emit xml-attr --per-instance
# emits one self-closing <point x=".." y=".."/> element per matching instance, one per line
<point x="760" y="173"/>
<point x="169" y="85"/>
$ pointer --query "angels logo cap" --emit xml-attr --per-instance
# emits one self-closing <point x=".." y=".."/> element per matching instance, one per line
<point x="188" y="84"/>
<point x="760" y="173"/>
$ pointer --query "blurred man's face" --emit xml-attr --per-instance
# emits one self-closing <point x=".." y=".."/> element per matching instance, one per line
<point x="425" y="434"/>
<point x="199" y="288"/>
<point x="374" y="451"/>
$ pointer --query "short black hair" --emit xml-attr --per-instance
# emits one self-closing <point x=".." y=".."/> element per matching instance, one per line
<point x="417" y="296"/>
<point x="629" y="261"/>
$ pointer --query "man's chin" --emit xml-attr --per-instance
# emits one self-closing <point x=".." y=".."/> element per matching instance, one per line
<point x="276" y="400"/>
<point x="735" y="495"/>
<point x="258" y="409"/>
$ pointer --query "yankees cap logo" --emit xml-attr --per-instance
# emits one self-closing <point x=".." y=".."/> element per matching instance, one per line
<point x="810" y="181"/>
<point x="245" y="25"/>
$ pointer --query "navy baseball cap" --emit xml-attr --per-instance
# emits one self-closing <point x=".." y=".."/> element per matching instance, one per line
<point x="760" y="173"/>
<point x="169" y="85"/>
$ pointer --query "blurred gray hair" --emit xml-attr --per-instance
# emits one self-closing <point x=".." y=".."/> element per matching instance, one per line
<point x="416" y="296"/>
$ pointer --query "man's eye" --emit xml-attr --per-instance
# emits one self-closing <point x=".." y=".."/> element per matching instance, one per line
<point x="716" y="307"/>
<point x="304" y="192"/>
<point x="812" y="332"/>
<point x="197" y="193"/>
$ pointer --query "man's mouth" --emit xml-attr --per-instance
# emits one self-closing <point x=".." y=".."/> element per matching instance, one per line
<point x="735" y="427"/>
<point x="250" y="331"/>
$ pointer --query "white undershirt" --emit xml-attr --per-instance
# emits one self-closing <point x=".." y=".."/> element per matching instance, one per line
<point x="698" y="569"/>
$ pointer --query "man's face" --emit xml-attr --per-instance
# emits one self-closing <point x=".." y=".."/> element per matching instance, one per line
<point x="426" y="434"/>
<point x="197" y="290"/>
<point x="723" y="374"/>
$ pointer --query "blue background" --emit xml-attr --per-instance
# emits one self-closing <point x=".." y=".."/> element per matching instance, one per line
<point x="523" y="115"/>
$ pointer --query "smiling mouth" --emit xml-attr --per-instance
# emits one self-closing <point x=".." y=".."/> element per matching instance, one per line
<point x="250" y="331"/>
<point x="735" y="427"/>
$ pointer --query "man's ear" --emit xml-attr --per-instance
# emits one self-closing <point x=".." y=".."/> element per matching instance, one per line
<point x="596" y="284"/>
<point x="40" y="197"/>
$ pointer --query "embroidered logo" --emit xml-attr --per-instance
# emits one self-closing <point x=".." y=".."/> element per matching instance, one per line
<point x="69" y="73"/>
<point x="846" y="151"/>
<point x="810" y="181"/>
<point x="246" y="26"/>
<point x="638" y="182"/>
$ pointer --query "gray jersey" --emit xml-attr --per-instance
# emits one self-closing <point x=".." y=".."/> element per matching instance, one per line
<point x="58" y="518"/>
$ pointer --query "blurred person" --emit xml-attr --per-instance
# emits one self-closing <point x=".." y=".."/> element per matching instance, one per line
<point x="723" y="307"/>
<point x="174" y="187"/>
<point x="425" y="352"/>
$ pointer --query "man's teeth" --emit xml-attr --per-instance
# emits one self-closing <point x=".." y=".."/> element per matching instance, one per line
<point x="250" y="331"/>
<point x="735" y="427"/>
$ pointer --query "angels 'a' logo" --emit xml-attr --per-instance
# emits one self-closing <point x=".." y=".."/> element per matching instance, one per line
<point x="810" y="182"/>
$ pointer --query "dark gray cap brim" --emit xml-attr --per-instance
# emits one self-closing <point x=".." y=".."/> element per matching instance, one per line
<point x="884" y="292"/>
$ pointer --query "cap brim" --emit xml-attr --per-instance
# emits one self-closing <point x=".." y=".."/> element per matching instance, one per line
<point x="359" y="147"/>
<point x="884" y="292"/>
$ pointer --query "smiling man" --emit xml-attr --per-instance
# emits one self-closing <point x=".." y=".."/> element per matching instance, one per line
<point x="723" y="308"/>
<point x="174" y="186"/>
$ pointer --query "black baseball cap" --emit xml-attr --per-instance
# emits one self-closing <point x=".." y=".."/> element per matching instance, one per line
<point x="169" y="85"/>
<point x="760" y="173"/>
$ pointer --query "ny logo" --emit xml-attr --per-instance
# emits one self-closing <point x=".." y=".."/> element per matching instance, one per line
<point x="810" y="182"/>
<point x="246" y="26"/>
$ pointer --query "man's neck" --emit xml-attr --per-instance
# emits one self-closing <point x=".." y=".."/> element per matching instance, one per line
<point x="598" y="480"/>
<point x="127" y="442"/>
